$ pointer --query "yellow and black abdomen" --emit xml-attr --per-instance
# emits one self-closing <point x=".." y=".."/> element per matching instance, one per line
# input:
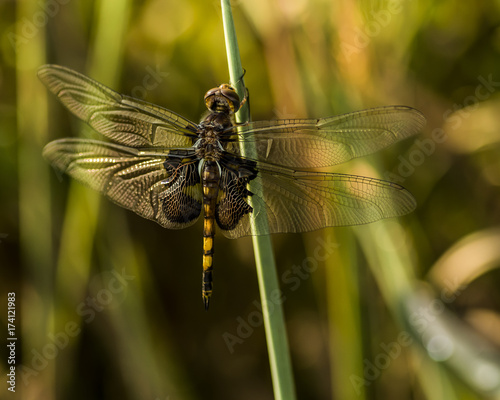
<point x="210" y="177"/>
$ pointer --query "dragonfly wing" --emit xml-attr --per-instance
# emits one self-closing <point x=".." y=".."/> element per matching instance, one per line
<point x="123" y="119"/>
<point x="318" y="143"/>
<point x="295" y="201"/>
<point x="232" y="205"/>
<point x="169" y="194"/>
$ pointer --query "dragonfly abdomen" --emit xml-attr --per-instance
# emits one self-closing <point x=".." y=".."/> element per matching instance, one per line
<point x="210" y="178"/>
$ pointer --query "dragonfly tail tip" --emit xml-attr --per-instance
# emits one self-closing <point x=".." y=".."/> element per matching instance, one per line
<point x="206" y="302"/>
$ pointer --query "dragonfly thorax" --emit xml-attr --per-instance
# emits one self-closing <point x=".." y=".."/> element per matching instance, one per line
<point x="209" y="148"/>
<point x="208" y="145"/>
<point x="215" y="123"/>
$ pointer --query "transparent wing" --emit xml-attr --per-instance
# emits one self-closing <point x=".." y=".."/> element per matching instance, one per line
<point x="123" y="119"/>
<point x="317" y="143"/>
<point x="297" y="201"/>
<point x="169" y="194"/>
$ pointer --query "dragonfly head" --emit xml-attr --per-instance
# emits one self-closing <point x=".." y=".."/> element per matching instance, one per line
<point x="222" y="99"/>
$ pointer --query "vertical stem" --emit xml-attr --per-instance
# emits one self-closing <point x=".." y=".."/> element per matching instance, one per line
<point x="75" y="259"/>
<point x="274" y="321"/>
<point x="35" y="240"/>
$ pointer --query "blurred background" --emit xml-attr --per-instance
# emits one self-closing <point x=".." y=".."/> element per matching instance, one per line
<point x="108" y="304"/>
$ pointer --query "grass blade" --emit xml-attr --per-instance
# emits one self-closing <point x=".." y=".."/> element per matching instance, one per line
<point x="274" y="321"/>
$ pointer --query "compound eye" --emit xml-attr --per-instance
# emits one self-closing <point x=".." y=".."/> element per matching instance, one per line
<point x="211" y="98"/>
<point x="211" y="92"/>
<point x="222" y="99"/>
<point x="230" y="94"/>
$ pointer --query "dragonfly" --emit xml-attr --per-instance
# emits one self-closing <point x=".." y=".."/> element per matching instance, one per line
<point x="169" y="169"/>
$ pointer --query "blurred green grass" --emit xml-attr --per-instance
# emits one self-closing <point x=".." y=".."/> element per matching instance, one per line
<point x="152" y="339"/>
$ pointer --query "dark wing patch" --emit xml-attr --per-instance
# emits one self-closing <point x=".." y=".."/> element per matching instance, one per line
<point x="181" y="201"/>
<point x="232" y="204"/>
<point x="145" y="184"/>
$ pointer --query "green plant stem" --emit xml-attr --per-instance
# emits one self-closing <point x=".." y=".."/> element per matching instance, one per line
<point x="35" y="293"/>
<point x="274" y="321"/>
